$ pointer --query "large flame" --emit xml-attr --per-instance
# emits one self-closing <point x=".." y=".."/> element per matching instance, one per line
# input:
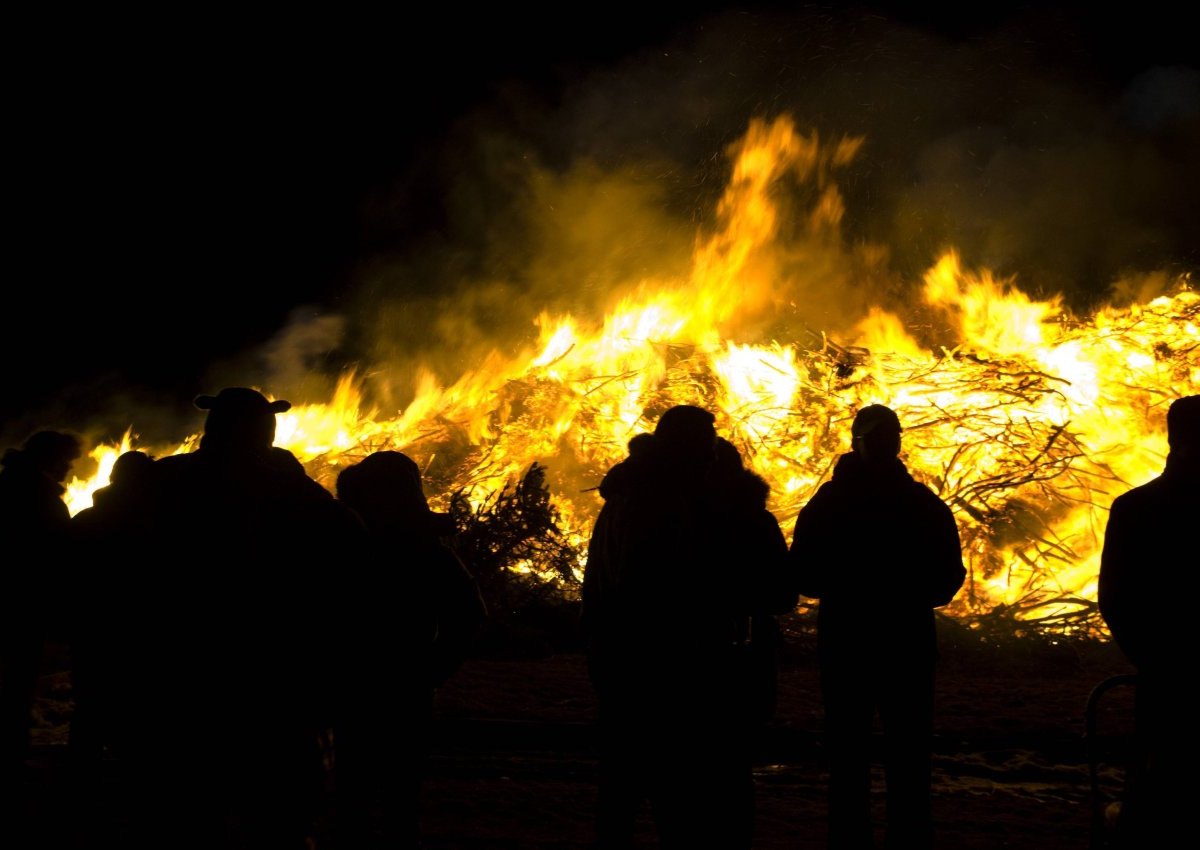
<point x="1028" y="422"/>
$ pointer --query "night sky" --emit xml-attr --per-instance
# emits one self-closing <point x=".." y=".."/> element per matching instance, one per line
<point x="191" y="192"/>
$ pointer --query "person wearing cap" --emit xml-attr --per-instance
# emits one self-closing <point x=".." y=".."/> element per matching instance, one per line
<point x="879" y="551"/>
<point x="682" y="554"/>
<point x="1150" y="544"/>
<point x="236" y="641"/>
<point x="34" y="525"/>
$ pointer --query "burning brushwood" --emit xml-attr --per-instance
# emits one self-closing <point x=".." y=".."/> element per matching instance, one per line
<point x="1025" y="420"/>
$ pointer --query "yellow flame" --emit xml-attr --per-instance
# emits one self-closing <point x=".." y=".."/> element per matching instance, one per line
<point x="79" y="491"/>
<point x="1028" y="425"/>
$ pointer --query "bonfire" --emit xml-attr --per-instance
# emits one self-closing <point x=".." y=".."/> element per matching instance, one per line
<point x="1027" y="420"/>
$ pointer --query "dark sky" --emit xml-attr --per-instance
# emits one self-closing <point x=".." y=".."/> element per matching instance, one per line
<point x="181" y="189"/>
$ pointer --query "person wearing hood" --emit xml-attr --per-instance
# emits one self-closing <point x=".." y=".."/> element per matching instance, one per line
<point x="410" y="611"/>
<point x="683" y="555"/>
<point x="879" y="551"/>
<point x="1150" y="546"/>
<point x="35" y="527"/>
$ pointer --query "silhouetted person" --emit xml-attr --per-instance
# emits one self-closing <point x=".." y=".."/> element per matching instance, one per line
<point x="754" y="545"/>
<point x="111" y="538"/>
<point x="881" y="552"/>
<point x="750" y="544"/>
<point x="1150" y="548"/>
<point x="236" y="631"/>
<point x="34" y="527"/>
<point x="410" y="613"/>
<point x="683" y="552"/>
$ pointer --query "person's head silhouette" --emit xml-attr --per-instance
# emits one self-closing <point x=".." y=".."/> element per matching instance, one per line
<point x="52" y="453"/>
<point x="131" y="469"/>
<point x="688" y="434"/>
<point x="240" y="419"/>
<point x="384" y="479"/>
<point x="875" y="434"/>
<point x="1183" y="426"/>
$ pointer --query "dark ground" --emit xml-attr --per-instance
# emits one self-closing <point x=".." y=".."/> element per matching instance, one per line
<point x="514" y="769"/>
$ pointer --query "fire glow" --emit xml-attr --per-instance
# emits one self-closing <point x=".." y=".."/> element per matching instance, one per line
<point x="1027" y="421"/>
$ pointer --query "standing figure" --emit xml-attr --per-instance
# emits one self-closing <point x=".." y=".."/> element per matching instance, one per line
<point x="235" y="636"/>
<point x="1150" y="544"/>
<point x="34" y="525"/>
<point x="881" y="552"/>
<point x="682" y="555"/>
<point x="408" y="612"/>
<point x="749" y="544"/>
<point x="112" y="536"/>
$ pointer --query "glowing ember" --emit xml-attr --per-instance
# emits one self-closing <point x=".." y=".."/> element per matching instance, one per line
<point x="1027" y="421"/>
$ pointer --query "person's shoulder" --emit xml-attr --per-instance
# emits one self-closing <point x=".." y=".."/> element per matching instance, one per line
<point x="847" y="474"/>
<point x="848" y="464"/>
<point x="173" y="471"/>
<point x="752" y="489"/>
<point x="622" y="479"/>
<point x="923" y="490"/>
<point x="1152" y="491"/>
<point x="336" y="518"/>
<point x="833" y="486"/>
<point x="830" y="496"/>
<point x="929" y="498"/>
<point x="174" y="463"/>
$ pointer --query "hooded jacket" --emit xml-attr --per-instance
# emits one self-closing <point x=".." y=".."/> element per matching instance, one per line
<point x="681" y="556"/>
<point x="880" y="551"/>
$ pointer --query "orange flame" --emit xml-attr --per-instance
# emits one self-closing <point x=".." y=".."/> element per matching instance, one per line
<point x="1028" y="426"/>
